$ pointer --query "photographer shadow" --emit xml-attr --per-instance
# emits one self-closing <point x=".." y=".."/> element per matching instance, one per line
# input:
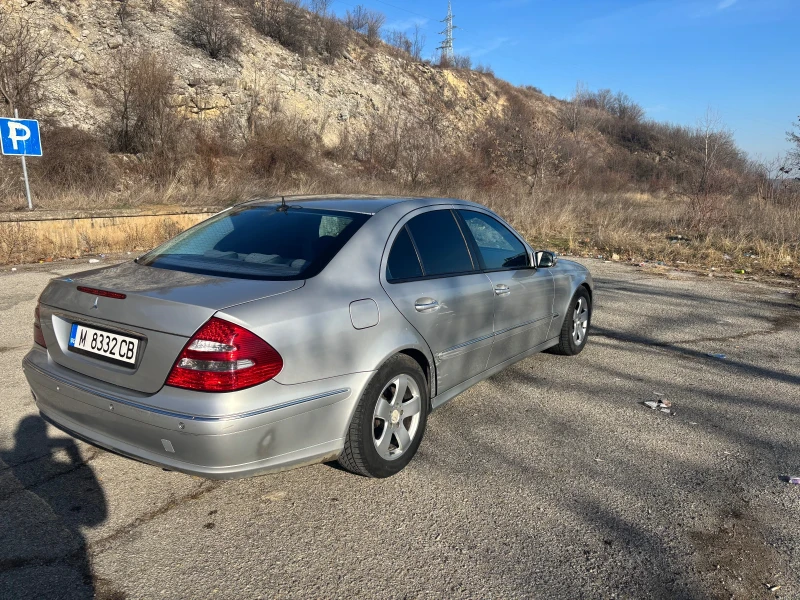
<point x="47" y="495"/>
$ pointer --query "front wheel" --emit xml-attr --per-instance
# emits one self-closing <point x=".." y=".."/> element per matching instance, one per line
<point x="575" y="329"/>
<point x="389" y="421"/>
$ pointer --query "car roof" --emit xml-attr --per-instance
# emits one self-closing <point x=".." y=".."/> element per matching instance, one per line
<point x="364" y="204"/>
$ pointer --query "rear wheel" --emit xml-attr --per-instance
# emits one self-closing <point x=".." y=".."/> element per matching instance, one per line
<point x="389" y="421"/>
<point x="575" y="329"/>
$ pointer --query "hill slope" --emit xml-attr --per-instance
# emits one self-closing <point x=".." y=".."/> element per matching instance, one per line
<point x="137" y="112"/>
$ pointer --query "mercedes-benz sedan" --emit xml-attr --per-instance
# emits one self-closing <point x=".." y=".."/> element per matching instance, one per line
<point x="284" y="333"/>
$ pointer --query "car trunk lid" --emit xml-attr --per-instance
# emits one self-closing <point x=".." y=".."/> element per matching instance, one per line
<point x="162" y="308"/>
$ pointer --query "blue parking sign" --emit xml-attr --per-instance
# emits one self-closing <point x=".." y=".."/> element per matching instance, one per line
<point x="20" y="137"/>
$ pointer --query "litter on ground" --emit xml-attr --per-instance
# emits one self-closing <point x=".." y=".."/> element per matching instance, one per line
<point x="661" y="405"/>
<point x="718" y="355"/>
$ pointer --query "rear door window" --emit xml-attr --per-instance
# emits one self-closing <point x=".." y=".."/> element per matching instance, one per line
<point x="260" y="242"/>
<point x="440" y="244"/>
<point x="498" y="247"/>
<point x="403" y="260"/>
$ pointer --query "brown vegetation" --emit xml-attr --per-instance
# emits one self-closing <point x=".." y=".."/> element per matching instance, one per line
<point x="588" y="174"/>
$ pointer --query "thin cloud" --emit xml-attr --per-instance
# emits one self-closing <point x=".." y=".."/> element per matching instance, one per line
<point x="725" y="4"/>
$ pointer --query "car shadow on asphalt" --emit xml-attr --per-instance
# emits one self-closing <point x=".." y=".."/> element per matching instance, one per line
<point x="48" y="493"/>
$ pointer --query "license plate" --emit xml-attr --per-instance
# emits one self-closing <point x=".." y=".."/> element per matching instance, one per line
<point x="104" y="345"/>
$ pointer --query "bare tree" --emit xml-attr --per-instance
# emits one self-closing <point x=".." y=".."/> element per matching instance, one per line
<point x="626" y="109"/>
<point x="25" y="65"/>
<point x="283" y="21"/>
<point x="208" y="26"/>
<point x="601" y="100"/>
<point x="773" y="179"/>
<point x="138" y="90"/>
<point x="399" y="39"/>
<point x="793" y="136"/>
<point x="462" y="61"/>
<point x="572" y="113"/>
<point x="321" y="7"/>
<point x="707" y="185"/>
<point x="524" y="144"/>
<point x="357" y="19"/>
<point x="417" y="42"/>
<point x="375" y="21"/>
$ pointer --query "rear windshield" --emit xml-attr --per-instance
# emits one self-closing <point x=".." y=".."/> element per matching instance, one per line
<point x="259" y="242"/>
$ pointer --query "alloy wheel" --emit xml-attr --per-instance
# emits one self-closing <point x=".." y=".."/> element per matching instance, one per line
<point x="396" y="417"/>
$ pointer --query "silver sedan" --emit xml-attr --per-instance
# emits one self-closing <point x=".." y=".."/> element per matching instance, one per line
<point x="284" y="333"/>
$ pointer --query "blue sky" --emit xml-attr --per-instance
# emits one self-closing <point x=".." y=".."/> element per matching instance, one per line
<point x="676" y="58"/>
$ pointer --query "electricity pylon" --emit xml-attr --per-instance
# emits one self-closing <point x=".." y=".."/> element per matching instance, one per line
<point x="447" y="45"/>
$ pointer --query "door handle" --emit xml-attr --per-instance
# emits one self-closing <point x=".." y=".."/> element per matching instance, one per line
<point x="425" y="305"/>
<point x="501" y="289"/>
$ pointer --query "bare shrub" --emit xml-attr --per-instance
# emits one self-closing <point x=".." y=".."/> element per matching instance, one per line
<point x="282" y="21"/>
<point x="709" y="183"/>
<point x="793" y="136"/>
<point x="334" y="39"/>
<point x="444" y="61"/>
<point x="26" y="65"/>
<point x="623" y="107"/>
<point x="462" y="61"/>
<point x="367" y="21"/>
<point x="572" y="112"/>
<point x="633" y="135"/>
<point x="399" y="39"/>
<point x="74" y="159"/>
<point x="410" y="44"/>
<point x="522" y="143"/>
<point x="138" y="90"/>
<point x="14" y="242"/>
<point x="375" y="22"/>
<point x="601" y="100"/>
<point x="321" y="7"/>
<point x="281" y="146"/>
<point x="357" y="19"/>
<point x="485" y="69"/>
<point x="155" y="5"/>
<point x="208" y="26"/>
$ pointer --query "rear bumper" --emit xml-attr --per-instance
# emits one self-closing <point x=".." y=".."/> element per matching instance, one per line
<point x="297" y="425"/>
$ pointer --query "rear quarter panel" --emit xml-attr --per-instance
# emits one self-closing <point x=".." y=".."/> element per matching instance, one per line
<point x="311" y="327"/>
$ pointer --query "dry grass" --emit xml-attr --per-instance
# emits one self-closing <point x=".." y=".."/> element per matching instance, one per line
<point x="748" y="235"/>
<point x="30" y="241"/>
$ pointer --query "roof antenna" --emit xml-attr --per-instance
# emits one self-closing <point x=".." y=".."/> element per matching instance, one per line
<point x="283" y="207"/>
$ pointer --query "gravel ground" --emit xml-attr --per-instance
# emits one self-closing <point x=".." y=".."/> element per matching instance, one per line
<point x="549" y="480"/>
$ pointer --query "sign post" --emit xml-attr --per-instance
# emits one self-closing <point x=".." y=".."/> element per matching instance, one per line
<point x="20" y="137"/>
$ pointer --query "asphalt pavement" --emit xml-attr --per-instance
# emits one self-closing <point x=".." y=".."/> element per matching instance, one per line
<point x="551" y="479"/>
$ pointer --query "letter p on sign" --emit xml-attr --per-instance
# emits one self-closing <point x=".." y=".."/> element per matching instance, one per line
<point x="20" y="137"/>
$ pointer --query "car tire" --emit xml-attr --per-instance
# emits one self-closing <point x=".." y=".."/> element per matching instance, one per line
<point x="367" y="449"/>
<point x="575" y="330"/>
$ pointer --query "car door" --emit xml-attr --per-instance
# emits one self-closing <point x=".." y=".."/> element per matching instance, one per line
<point x="523" y="295"/>
<point x="432" y="278"/>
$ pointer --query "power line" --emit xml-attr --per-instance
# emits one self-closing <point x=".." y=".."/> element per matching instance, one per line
<point x="405" y="9"/>
<point x="387" y="4"/>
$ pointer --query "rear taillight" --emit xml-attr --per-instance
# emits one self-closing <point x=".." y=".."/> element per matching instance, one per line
<point x="38" y="337"/>
<point x="224" y="357"/>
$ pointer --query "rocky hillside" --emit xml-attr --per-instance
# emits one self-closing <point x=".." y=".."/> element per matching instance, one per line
<point x="86" y="36"/>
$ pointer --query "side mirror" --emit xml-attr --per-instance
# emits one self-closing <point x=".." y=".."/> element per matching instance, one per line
<point x="545" y="259"/>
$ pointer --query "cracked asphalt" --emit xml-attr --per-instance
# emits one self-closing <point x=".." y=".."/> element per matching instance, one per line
<point x="549" y="480"/>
